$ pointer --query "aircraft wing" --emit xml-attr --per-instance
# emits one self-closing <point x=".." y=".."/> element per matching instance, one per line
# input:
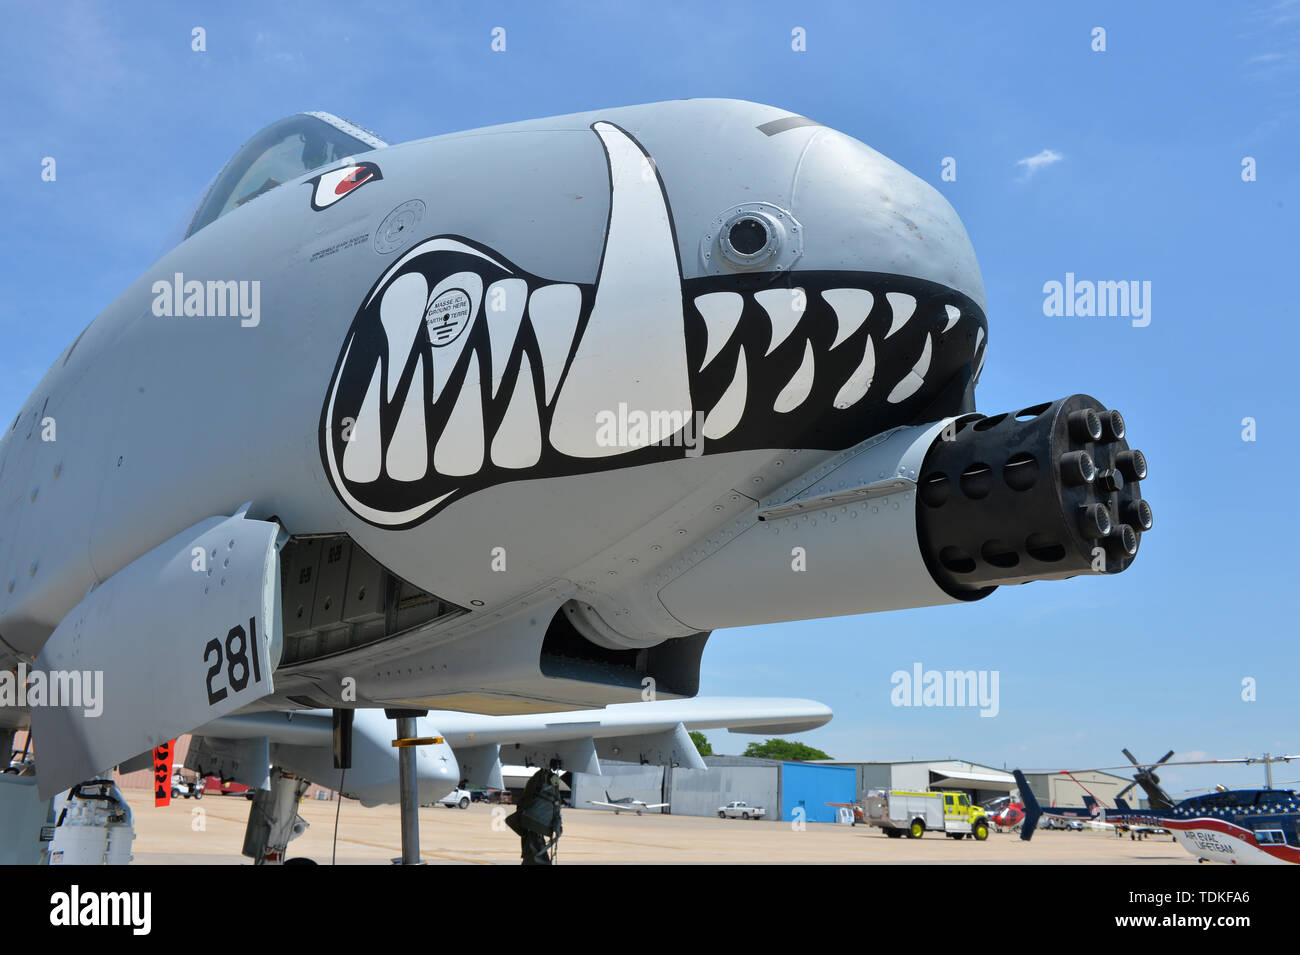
<point x="655" y="731"/>
<point x="651" y="732"/>
<point x="738" y="714"/>
<point x="241" y="746"/>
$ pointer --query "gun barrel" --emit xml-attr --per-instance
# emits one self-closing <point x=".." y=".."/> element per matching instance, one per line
<point x="1045" y="493"/>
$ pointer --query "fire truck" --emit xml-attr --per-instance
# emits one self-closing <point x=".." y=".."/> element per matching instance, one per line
<point x="913" y="814"/>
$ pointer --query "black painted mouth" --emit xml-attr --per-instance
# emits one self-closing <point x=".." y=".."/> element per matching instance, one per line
<point x="911" y="328"/>
<point x="818" y="421"/>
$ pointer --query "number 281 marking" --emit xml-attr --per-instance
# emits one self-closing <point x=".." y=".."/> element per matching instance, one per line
<point x="236" y="658"/>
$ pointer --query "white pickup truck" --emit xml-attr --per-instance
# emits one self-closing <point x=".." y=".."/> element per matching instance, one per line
<point x="457" y="798"/>
<point x="740" y="810"/>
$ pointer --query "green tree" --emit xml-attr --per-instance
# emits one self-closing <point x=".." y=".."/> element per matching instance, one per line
<point x="701" y="743"/>
<point x="784" y="749"/>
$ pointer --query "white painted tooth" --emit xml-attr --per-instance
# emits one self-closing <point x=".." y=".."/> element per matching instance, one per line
<point x="784" y="306"/>
<point x="852" y="306"/>
<point x="979" y="337"/>
<point x="721" y="311"/>
<point x="518" y="442"/>
<point x="979" y="366"/>
<point x="448" y="318"/>
<point x="553" y="311"/>
<point x="362" y="453"/>
<point x="902" y="305"/>
<point x="400" y="312"/>
<point x="799" y="386"/>
<point x="460" y="446"/>
<point x="859" y="382"/>
<point x="408" y="451"/>
<point x="503" y="308"/>
<point x="633" y="348"/>
<point x="923" y="363"/>
<point x="954" y="315"/>
<point x="914" y="379"/>
<point x="726" y="414"/>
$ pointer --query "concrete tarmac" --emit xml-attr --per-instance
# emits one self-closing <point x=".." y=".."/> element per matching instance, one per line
<point x="171" y="835"/>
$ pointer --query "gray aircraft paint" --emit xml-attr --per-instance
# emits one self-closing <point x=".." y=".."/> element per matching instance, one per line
<point x="164" y="422"/>
<point x="195" y="444"/>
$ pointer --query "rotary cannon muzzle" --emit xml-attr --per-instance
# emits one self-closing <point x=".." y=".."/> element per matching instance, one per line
<point x="1040" y="494"/>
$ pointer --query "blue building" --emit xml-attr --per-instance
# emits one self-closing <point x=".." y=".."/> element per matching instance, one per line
<point x="811" y="786"/>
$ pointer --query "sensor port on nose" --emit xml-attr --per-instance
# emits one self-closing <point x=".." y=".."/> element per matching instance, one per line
<point x="747" y="237"/>
<point x="752" y="237"/>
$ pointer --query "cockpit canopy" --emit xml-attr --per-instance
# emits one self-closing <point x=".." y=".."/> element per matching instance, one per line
<point x="278" y="154"/>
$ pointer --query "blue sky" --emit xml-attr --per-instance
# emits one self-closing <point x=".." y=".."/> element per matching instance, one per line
<point x="1149" y="138"/>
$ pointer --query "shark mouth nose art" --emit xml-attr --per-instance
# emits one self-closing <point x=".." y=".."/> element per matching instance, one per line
<point x="461" y="371"/>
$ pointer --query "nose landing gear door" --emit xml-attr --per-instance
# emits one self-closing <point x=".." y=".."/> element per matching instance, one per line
<point x="186" y="633"/>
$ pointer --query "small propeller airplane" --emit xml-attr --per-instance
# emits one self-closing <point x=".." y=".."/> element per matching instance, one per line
<point x="626" y="804"/>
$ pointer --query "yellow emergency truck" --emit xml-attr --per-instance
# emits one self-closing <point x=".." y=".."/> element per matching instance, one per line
<point x="912" y="814"/>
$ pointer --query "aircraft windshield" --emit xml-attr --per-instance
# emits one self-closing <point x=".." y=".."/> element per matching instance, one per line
<point x="278" y="154"/>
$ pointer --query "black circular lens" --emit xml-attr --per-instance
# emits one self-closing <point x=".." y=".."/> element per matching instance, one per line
<point x="748" y="236"/>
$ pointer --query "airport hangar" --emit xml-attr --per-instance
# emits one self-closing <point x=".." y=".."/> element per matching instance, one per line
<point x="781" y="787"/>
<point x="983" y="783"/>
<point x="772" y="783"/>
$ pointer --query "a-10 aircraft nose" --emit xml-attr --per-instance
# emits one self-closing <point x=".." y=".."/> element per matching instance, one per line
<point x="769" y="281"/>
<point x="836" y="304"/>
<point x="864" y="212"/>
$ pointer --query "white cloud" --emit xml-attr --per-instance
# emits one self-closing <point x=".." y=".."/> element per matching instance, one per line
<point x="1033" y="163"/>
<point x="1285" y="11"/>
